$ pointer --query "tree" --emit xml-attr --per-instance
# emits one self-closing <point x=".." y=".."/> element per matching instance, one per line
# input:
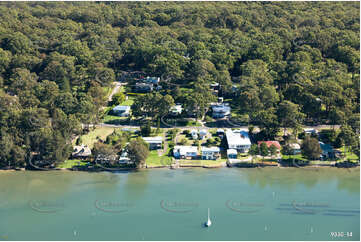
<point x="138" y="152"/>
<point x="263" y="150"/>
<point x="146" y="130"/>
<point x="348" y="136"/>
<point x="289" y="115"/>
<point x="286" y="150"/>
<point x="104" y="153"/>
<point x="311" y="148"/>
<point x="253" y="151"/>
<point x="118" y="98"/>
<point x="273" y="150"/>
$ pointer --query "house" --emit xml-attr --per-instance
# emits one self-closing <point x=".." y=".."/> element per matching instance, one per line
<point x="270" y="143"/>
<point x="185" y="152"/>
<point x="214" y="88"/>
<point x="124" y="159"/>
<point x="295" y="148"/>
<point x="232" y="154"/>
<point x="220" y="110"/>
<point x="144" y="87"/>
<point x="310" y="131"/>
<point x="154" y="142"/>
<point x="210" y="153"/>
<point x="176" y="110"/>
<point x="202" y="133"/>
<point x="194" y="134"/>
<point x="238" y="140"/>
<point x="151" y="80"/>
<point x="81" y="152"/>
<point x="327" y="151"/>
<point x="122" y="111"/>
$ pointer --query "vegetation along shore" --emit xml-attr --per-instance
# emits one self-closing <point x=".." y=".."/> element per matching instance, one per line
<point x="120" y="86"/>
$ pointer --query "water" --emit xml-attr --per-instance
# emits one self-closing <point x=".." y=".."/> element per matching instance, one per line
<point x="245" y="204"/>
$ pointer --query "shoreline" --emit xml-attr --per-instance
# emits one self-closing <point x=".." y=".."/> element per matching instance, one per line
<point x="180" y="167"/>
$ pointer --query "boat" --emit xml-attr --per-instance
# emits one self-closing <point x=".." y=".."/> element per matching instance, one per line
<point x="209" y="222"/>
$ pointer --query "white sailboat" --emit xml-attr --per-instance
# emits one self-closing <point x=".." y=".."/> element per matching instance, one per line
<point x="209" y="222"/>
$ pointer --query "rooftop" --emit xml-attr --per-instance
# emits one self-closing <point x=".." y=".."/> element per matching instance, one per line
<point x="157" y="139"/>
<point x="237" y="138"/>
<point x="210" y="149"/>
<point x="121" y="108"/>
<point x="270" y="142"/>
<point x="182" y="149"/>
<point x="231" y="152"/>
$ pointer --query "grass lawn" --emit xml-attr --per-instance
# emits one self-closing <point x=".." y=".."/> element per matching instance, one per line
<point x="110" y="118"/>
<point x="296" y="157"/>
<point x="128" y="102"/>
<point x="71" y="163"/>
<point x="155" y="160"/>
<point x="90" y="138"/>
<point x="349" y="155"/>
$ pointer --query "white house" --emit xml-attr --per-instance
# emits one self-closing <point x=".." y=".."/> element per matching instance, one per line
<point x="154" y="142"/>
<point x="310" y="131"/>
<point x="81" y="151"/>
<point x="194" y="134"/>
<point x="202" y="133"/>
<point x="232" y="154"/>
<point x="221" y="110"/>
<point x="210" y="153"/>
<point x="124" y="159"/>
<point x="176" y="110"/>
<point x="185" y="152"/>
<point x="122" y="111"/>
<point x="238" y="140"/>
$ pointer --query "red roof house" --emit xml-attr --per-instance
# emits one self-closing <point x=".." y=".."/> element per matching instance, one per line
<point x="269" y="143"/>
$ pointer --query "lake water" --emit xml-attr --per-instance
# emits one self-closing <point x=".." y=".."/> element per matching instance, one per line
<point x="163" y="204"/>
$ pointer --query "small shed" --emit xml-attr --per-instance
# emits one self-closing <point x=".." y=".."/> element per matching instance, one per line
<point x="232" y="154"/>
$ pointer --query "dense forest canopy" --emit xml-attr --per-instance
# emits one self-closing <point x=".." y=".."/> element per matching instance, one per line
<point x="58" y="58"/>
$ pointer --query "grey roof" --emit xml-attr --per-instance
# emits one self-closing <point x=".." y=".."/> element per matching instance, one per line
<point x="121" y="108"/>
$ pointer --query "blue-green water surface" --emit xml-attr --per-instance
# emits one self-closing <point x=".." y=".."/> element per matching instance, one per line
<point x="163" y="204"/>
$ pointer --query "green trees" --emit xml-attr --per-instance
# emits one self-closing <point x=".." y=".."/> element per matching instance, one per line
<point x="152" y="105"/>
<point x="311" y="148"/>
<point x="138" y="152"/>
<point x="263" y="150"/>
<point x="118" y="98"/>
<point x="289" y="115"/>
<point x="282" y="65"/>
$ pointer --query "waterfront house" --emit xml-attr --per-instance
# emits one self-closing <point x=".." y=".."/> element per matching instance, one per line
<point x="220" y="110"/>
<point x="81" y="152"/>
<point x="327" y="151"/>
<point x="122" y="111"/>
<point x="194" y="134"/>
<point x="210" y="153"/>
<point x="238" y="140"/>
<point x="185" y="152"/>
<point x="270" y="143"/>
<point x="124" y="159"/>
<point x="202" y="133"/>
<point x="295" y="148"/>
<point x="232" y="154"/>
<point x="154" y="142"/>
<point x="176" y="110"/>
